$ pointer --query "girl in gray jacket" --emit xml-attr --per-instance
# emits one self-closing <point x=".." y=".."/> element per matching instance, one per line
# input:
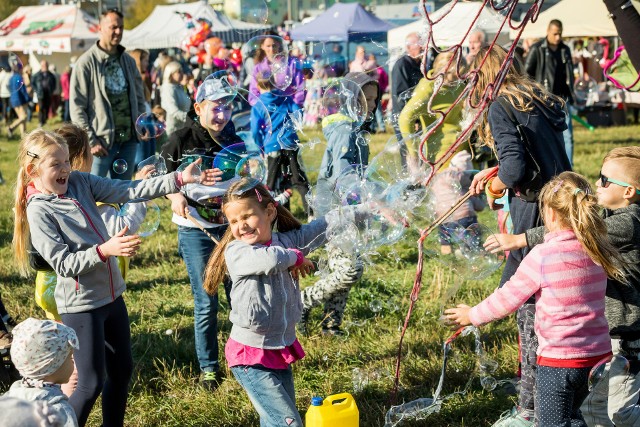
<point x="56" y="209"/>
<point x="264" y="267"/>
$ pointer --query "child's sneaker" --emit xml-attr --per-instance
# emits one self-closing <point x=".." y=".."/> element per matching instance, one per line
<point x="5" y="340"/>
<point x="283" y="198"/>
<point x="210" y="380"/>
<point x="512" y="418"/>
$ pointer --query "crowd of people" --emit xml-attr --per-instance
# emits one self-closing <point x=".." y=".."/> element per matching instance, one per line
<point x="577" y="276"/>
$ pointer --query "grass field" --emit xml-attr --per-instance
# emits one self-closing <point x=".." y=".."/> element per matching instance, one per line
<point x="164" y="390"/>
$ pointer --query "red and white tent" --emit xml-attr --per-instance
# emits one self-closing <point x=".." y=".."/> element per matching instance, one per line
<point x="44" y="30"/>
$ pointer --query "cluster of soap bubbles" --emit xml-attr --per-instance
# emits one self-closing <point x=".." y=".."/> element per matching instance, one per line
<point x="148" y="126"/>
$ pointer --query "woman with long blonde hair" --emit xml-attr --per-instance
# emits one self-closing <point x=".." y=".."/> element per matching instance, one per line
<point x="523" y="125"/>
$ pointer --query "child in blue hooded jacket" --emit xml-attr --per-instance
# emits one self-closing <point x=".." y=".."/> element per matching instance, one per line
<point x="281" y="145"/>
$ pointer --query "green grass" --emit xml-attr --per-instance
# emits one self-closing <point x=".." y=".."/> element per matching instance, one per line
<point x="164" y="391"/>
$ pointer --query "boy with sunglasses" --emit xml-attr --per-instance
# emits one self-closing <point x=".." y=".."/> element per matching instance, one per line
<point x="613" y="402"/>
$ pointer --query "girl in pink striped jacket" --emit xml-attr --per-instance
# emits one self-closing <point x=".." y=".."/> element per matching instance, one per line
<point x="568" y="276"/>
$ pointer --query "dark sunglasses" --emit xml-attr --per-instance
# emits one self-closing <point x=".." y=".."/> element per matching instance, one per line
<point x="605" y="181"/>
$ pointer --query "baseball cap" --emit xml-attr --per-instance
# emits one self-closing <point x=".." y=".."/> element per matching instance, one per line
<point x="215" y="87"/>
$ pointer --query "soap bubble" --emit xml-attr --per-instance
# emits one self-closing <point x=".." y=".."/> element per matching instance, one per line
<point x="584" y="89"/>
<point x="282" y="71"/>
<point x="344" y="100"/>
<point x="196" y="171"/>
<point x="468" y="256"/>
<point x="253" y="12"/>
<point x="149" y="125"/>
<point x="11" y="63"/>
<point x="144" y="216"/>
<point x="120" y="166"/>
<point x="228" y="159"/>
<point x="488" y="383"/>
<point x="252" y="166"/>
<point x="158" y="163"/>
<point x="310" y="154"/>
<point x="375" y="306"/>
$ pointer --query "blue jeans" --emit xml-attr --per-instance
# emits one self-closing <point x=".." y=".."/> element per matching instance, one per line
<point x="568" y="134"/>
<point x="67" y="114"/>
<point x="272" y="393"/>
<point x="195" y="247"/>
<point x="103" y="166"/>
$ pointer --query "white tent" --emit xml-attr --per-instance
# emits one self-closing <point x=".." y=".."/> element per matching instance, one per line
<point x="53" y="32"/>
<point x="579" y="18"/>
<point x="166" y="27"/>
<point x="451" y="28"/>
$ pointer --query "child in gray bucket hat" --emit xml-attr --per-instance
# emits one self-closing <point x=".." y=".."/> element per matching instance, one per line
<point x="42" y="353"/>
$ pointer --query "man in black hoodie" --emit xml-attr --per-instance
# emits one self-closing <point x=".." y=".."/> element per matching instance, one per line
<point x="206" y="131"/>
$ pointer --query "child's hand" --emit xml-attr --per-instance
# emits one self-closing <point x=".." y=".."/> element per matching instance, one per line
<point x="479" y="181"/>
<point x="505" y="242"/>
<point x="145" y="172"/>
<point x="303" y="269"/>
<point x="178" y="204"/>
<point x="457" y="317"/>
<point x="121" y="244"/>
<point x="211" y="176"/>
<point x="190" y="174"/>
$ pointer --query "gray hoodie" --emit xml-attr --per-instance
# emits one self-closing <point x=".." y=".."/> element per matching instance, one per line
<point x="266" y="300"/>
<point x="66" y="230"/>
<point x="88" y="101"/>
<point x="50" y="393"/>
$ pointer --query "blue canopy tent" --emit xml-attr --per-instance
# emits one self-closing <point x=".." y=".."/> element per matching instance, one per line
<point x="343" y="22"/>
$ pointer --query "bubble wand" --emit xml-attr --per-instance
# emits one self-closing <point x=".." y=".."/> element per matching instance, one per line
<point x="195" y="221"/>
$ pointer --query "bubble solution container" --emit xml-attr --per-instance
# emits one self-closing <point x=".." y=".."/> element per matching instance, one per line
<point x="338" y="410"/>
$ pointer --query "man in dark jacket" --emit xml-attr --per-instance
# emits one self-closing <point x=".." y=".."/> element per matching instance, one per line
<point x="549" y="62"/>
<point x="44" y="83"/>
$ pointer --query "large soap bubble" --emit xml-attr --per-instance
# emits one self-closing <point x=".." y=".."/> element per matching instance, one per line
<point x="237" y="161"/>
<point x="344" y="100"/>
<point x="142" y="215"/>
<point x="149" y="125"/>
<point x="158" y="163"/>
<point x="12" y="64"/>
<point x="584" y="90"/>
<point x="468" y="256"/>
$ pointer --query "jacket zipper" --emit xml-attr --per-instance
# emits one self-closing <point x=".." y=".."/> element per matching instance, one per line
<point x="75" y="202"/>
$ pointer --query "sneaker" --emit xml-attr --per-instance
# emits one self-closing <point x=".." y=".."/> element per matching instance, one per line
<point x="512" y="418"/>
<point x="210" y="380"/>
<point x="283" y="198"/>
<point x="5" y="340"/>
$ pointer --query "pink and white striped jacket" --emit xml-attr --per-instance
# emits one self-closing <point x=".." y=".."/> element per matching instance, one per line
<point x="569" y="289"/>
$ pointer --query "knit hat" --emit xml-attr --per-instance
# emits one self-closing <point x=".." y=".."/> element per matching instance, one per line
<point x="214" y="88"/>
<point x="40" y="347"/>
<point x="462" y="161"/>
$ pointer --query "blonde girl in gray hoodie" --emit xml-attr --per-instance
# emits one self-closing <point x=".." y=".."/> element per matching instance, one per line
<point x="55" y="209"/>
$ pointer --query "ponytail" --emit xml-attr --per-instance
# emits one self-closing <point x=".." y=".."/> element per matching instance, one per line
<point x="34" y="147"/>
<point x="572" y="198"/>
<point x="246" y="188"/>
<point x="21" y="234"/>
